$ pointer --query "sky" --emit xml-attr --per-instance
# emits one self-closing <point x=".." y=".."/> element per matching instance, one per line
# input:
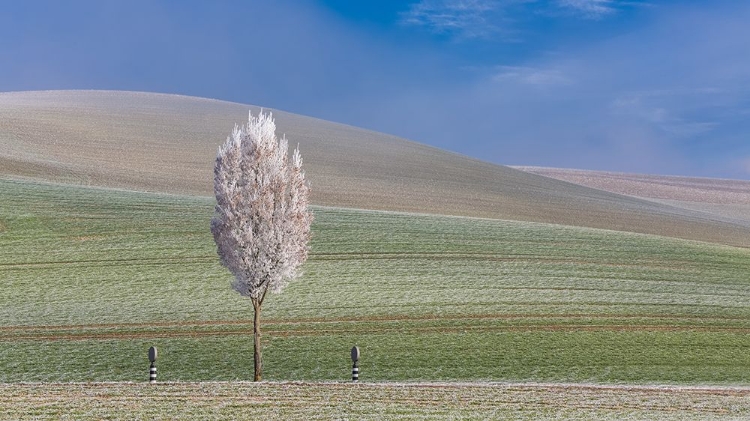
<point x="644" y="86"/>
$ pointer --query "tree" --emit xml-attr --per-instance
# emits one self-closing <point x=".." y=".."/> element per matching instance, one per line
<point x="261" y="223"/>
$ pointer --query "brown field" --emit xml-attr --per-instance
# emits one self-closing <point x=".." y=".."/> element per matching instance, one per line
<point x="720" y="197"/>
<point x="167" y="143"/>
<point x="240" y="400"/>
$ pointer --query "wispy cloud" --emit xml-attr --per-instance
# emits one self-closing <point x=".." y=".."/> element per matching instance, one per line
<point x="669" y="96"/>
<point x="532" y="76"/>
<point x="499" y="19"/>
<point x="592" y="9"/>
<point x="597" y="9"/>
<point x="669" y="110"/>
<point x="460" y="18"/>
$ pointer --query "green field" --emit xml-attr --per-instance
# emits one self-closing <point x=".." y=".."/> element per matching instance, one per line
<point x="92" y="277"/>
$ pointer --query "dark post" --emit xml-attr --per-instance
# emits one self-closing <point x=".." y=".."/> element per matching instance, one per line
<point x="355" y="366"/>
<point x="152" y="357"/>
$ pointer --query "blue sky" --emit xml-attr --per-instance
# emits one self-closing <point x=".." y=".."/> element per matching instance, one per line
<point x="650" y="86"/>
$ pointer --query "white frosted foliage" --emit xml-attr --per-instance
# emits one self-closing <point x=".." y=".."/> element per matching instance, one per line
<point x="262" y="223"/>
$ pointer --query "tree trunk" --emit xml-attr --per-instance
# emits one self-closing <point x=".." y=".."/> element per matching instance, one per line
<point x="257" y="354"/>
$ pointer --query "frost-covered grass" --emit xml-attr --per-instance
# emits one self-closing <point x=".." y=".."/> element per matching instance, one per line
<point x="91" y="278"/>
<point x="324" y="401"/>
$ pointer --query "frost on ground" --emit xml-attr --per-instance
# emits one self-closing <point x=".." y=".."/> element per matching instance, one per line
<point x="370" y="401"/>
<point x="720" y="197"/>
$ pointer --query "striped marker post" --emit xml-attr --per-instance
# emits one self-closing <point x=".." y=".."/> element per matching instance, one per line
<point x="152" y="353"/>
<point x="355" y="366"/>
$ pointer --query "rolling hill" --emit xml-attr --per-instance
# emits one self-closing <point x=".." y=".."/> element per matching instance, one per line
<point x="166" y="143"/>
<point x="721" y="197"/>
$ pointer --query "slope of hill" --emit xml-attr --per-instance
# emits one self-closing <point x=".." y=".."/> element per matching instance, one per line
<point x="721" y="197"/>
<point x="166" y="143"/>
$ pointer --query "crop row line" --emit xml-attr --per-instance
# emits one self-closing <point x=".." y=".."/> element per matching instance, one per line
<point x="383" y="318"/>
<point x="369" y="330"/>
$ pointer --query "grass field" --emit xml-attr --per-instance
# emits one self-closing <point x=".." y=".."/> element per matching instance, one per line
<point x="239" y="400"/>
<point x="91" y="278"/>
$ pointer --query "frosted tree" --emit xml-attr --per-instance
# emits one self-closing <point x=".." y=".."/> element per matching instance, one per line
<point x="261" y="223"/>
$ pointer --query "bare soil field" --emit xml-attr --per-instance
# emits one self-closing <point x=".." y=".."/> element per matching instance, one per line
<point x="167" y="143"/>
<point x="721" y="197"/>
<point x="242" y="400"/>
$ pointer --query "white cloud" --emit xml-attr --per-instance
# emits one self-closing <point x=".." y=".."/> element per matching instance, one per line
<point x="532" y="76"/>
<point x="634" y="105"/>
<point x="669" y="96"/>
<point x="594" y="9"/>
<point x="499" y="19"/>
<point x="665" y="109"/>
<point x="461" y="18"/>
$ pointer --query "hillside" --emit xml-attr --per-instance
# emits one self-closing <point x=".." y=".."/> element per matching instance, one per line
<point x="166" y="143"/>
<point x="721" y="197"/>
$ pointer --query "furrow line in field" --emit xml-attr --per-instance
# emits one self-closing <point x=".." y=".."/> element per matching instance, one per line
<point x="372" y="319"/>
<point x="139" y="260"/>
<point x="442" y="256"/>
<point x="369" y="330"/>
<point x="494" y="257"/>
<point x="366" y="319"/>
